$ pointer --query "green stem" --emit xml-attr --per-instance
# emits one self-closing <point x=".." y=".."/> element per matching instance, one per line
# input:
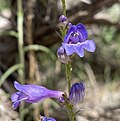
<point x="39" y="48"/>
<point x="9" y="72"/>
<point x="64" y="13"/>
<point x="70" y="111"/>
<point x="68" y="75"/>
<point x="36" y="48"/>
<point x="64" y="6"/>
<point x="20" y="48"/>
<point x="68" y="69"/>
<point x="71" y="115"/>
<point x="20" y="39"/>
<point x="68" y="66"/>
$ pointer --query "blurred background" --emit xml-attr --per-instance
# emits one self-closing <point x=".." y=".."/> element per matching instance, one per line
<point x="99" y="70"/>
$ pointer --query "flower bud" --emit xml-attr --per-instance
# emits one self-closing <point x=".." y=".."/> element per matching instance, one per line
<point x="63" y="20"/>
<point x="62" y="56"/>
<point x="77" y="93"/>
<point x="69" y="24"/>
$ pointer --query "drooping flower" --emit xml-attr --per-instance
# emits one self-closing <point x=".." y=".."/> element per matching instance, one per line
<point x="63" y="20"/>
<point x="46" y="118"/>
<point x="76" y="41"/>
<point x="32" y="93"/>
<point x="77" y="93"/>
<point x="62" y="56"/>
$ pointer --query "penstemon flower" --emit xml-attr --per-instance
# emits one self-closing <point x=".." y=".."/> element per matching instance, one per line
<point x="75" y="40"/>
<point x="77" y="93"/>
<point x="46" y="118"/>
<point x="32" y="94"/>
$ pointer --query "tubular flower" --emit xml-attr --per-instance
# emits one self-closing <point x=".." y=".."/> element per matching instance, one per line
<point x="77" y="93"/>
<point x="75" y="41"/>
<point x="46" y="119"/>
<point x="32" y="94"/>
<point x="62" y="56"/>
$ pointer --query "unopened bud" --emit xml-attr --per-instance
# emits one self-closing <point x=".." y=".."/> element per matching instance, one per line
<point x="62" y="56"/>
<point x="77" y="93"/>
<point x="63" y="20"/>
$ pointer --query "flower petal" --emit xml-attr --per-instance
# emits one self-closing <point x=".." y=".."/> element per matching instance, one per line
<point x="71" y="30"/>
<point x="16" y="104"/>
<point x="30" y="88"/>
<point x="89" y="45"/>
<point x="79" y="49"/>
<point x="17" y="98"/>
<point x="81" y="28"/>
<point x="18" y="86"/>
<point x="69" y="48"/>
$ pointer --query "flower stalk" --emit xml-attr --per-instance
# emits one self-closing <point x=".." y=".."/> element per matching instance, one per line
<point x="20" y="39"/>
<point x="64" y="6"/>
<point x="68" y="68"/>
<point x="20" y="48"/>
<point x="68" y="75"/>
<point x="63" y="31"/>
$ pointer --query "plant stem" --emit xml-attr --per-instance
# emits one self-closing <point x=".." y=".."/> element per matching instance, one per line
<point x="68" y="75"/>
<point x="68" y="69"/>
<point x="20" y="39"/>
<point x="20" y="48"/>
<point x="71" y="114"/>
<point x="9" y="72"/>
<point x="36" y="47"/>
<point x="64" y="13"/>
<point x="64" y="6"/>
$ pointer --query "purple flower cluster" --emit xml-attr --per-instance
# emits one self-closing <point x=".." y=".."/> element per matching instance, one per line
<point x="32" y="94"/>
<point x="76" y="41"/>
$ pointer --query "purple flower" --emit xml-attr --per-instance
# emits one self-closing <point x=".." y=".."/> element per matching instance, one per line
<point x="77" y="93"/>
<point x="63" y="20"/>
<point x="62" y="56"/>
<point x="46" y="119"/>
<point x="32" y="94"/>
<point x="75" y="41"/>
